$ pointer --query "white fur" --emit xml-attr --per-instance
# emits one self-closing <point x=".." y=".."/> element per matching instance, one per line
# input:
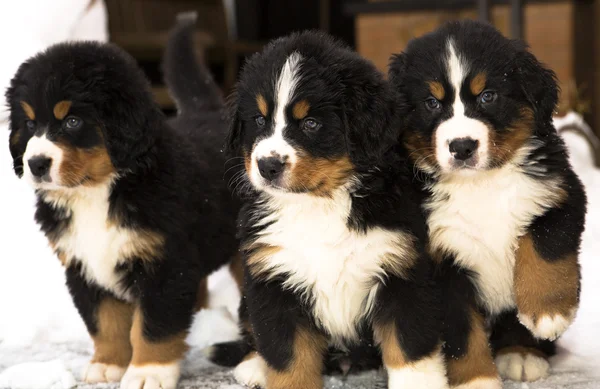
<point x="481" y="383"/>
<point x="151" y="377"/>
<point x="547" y="327"/>
<point x="89" y="238"/>
<point x="339" y="269"/>
<point x="479" y="219"/>
<point x="517" y="367"/>
<point x="429" y="373"/>
<point x="459" y="125"/>
<point x="101" y="372"/>
<point x="276" y="145"/>
<point x="42" y="147"/>
<point x="252" y="372"/>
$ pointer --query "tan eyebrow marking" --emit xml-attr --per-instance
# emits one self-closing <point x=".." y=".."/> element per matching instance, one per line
<point x="28" y="110"/>
<point x="61" y="109"/>
<point x="437" y="90"/>
<point x="300" y="109"/>
<point x="262" y="105"/>
<point x="478" y="83"/>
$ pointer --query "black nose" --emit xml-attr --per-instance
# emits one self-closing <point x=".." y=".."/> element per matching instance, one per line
<point x="270" y="168"/>
<point x="39" y="166"/>
<point x="464" y="148"/>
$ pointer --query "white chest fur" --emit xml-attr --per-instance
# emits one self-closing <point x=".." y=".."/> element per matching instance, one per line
<point x="91" y="238"/>
<point x="335" y="269"/>
<point x="480" y="219"/>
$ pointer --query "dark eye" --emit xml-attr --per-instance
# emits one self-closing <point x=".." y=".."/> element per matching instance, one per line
<point x="30" y="125"/>
<point x="433" y="104"/>
<point x="261" y="121"/>
<point x="487" y="97"/>
<point x="310" y="124"/>
<point x="73" y="122"/>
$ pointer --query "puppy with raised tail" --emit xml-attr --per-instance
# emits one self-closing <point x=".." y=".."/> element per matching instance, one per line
<point x="504" y="208"/>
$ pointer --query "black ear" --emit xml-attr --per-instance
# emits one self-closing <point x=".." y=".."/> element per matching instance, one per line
<point x="233" y="145"/>
<point x="396" y="68"/>
<point x="539" y="86"/>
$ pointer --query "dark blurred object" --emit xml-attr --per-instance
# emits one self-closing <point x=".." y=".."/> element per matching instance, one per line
<point x="141" y="27"/>
<point x="560" y="32"/>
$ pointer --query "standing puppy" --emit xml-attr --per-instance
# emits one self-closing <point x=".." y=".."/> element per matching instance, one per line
<point x="136" y="210"/>
<point x="332" y="234"/>
<point x="505" y="210"/>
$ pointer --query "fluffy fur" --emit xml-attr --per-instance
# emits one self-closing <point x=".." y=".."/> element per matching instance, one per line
<point x="135" y="208"/>
<point x="505" y="210"/>
<point x="332" y="235"/>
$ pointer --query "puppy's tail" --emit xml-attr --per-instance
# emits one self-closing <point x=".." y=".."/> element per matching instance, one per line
<point x="229" y="354"/>
<point x="189" y="81"/>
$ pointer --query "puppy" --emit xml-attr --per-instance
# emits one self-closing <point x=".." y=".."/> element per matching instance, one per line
<point x="136" y="210"/>
<point x="331" y="231"/>
<point x="505" y="210"/>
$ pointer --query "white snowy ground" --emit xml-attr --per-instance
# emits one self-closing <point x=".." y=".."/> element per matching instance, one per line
<point x="43" y="343"/>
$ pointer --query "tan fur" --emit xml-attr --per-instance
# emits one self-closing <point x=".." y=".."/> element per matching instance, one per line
<point x="62" y="257"/>
<point x="387" y="338"/>
<point x="478" y="361"/>
<point x="61" y="109"/>
<point x="300" y="109"/>
<point x="15" y="137"/>
<point x="522" y="350"/>
<point x="202" y="295"/>
<point x="111" y="343"/>
<point x="478" y="84"/>
<point x="305" y="369"/>
<point x="144" y="244"/>
<point x="29" y="112"/>
<point x="319" y="176"/>
<point x="403" y="258"/>
<point x="504" y="146"/>
<point x="544" y="287"/>
<point x="263" y="107"/>
<point x="236" y="268"/>
<point x="437" y="90"/>
<point x="421" y="152"/>
<point x="149" y="352"/>
<point x="87" y="167"/>
<point x="258" y="257"/>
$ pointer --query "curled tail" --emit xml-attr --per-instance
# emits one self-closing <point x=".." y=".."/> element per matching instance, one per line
<point x="189" y="81"/>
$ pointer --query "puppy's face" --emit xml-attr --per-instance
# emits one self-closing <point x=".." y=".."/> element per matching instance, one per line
<point x="471" y="107"/>
<point x="56" y="142"/>
<point x="290" y="122"/>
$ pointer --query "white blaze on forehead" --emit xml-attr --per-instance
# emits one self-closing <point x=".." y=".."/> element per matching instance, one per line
<point x="276" y="145"/>
<point x="458" y="125"/>
<point x="42" y="147"/>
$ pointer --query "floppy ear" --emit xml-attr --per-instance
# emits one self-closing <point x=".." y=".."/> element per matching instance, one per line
<point x="539" y="86"/>
<point x="396" y="68"/>
<point x="233" y="145"/>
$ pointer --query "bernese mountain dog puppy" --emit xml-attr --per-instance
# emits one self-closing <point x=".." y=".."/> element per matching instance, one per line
<point x="504" y="208"/>
<point x="331" y="231"/>
<point x="136" y="209"/>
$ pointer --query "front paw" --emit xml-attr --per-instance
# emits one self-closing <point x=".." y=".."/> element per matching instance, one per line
<point x="547" y="326"/>
<point x="481" y="383"/>
<point x="522" y="365"/>
<point x="151" y="377"/>
<point x="252" y="372"/>
<point x="428" y="373"/>
<point x="96" y="373"/>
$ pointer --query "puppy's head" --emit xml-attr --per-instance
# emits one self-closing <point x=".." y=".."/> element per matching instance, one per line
<point x="306" y="114"/>
<point x="476" y="98"/>
<point x="79" y="114"/>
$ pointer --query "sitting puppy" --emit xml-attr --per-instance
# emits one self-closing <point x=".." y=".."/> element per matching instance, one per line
<point x="332" y="233"/>
<point x="136" y="210"/>
<point x="505" y="210"/>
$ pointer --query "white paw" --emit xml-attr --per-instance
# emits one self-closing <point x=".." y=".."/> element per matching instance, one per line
<point x="151" y="377"/>
<point x="428" y="373"/>
<point x="481" y="383"/>
<point x="96" y="373"/>
<point x="522" y="367"/>
<point x="252" y="372"/>
<point x="547" y="327"/>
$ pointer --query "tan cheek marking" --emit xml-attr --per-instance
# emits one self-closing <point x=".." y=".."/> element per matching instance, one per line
<point x="87" y="167"/>
<point x="262" y="105"/>
<point x="478" y="84"/>
<point x="503" y="146"/>
<point x="437" y="90"/>
<point x="421" y="152"/>
<point x="61" y="109"/>
<point x="300" y="110"/>
<point x="320" y="176"/>
<point x="111" y="342"/>
<point x="14" y="137"/>
<point x="28" y="110"/>
<point x="146" y="351"/>
<point x="305" y="369"/>
<point x="545" y="287"/>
